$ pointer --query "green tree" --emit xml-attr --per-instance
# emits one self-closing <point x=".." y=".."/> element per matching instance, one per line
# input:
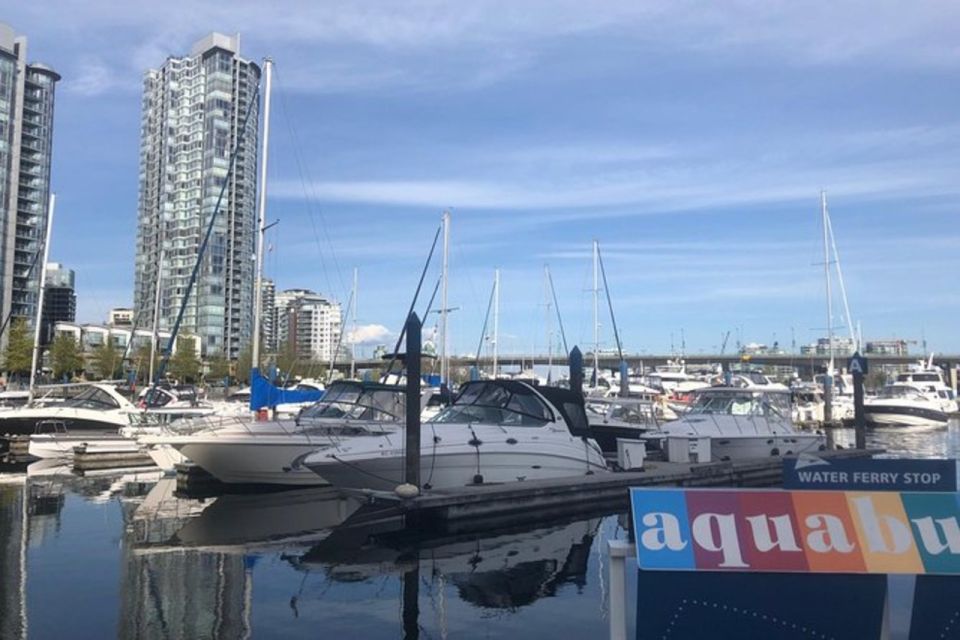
<point x="184" y="364"/>
<point x="106" y="361"/>
<point x="19" y="353"/>
<point x="218" y="367"/>
<point x="65" y="359"/>
<point x="287" y="359"/>
<point x="141" y="362"/>
<point x="242" y="369"/>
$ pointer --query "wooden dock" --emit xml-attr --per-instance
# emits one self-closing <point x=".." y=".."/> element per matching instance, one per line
<point x="547" y="498"/>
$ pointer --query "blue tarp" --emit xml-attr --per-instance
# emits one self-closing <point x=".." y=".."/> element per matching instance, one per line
<point x="264" y="394"/>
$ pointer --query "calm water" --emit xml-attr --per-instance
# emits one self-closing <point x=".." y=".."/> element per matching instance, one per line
<point x="120" y="555"/>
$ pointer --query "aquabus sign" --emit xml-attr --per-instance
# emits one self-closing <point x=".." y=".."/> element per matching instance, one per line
<point x="797" y="531"/>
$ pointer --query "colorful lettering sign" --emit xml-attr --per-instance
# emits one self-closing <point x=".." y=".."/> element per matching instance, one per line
<point x="797" y="531"/>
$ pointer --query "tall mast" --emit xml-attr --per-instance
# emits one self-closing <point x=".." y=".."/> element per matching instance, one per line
<point x="546" y="323"/>
<point x="261" y="215"/>
<point x="154" y="337"/>
<point x="40" y="296"/>
<point x="496" y="320"/>
<point x="444" y="364"/>
<point x="826" y="276"/>
<point x="843" y="289"/>
<point x="596" y="310"/>
<point x="353" y="342"/>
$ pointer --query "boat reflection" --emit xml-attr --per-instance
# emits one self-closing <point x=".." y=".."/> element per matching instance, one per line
<point x="505" y="568"/>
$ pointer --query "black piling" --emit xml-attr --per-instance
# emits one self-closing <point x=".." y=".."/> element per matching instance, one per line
<point x="412" y="467"/>
<point x="576" y="370"/>
<point x="858" y="367"/>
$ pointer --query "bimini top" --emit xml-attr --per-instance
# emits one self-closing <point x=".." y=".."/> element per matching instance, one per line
<point x="359" y="401"/>
<point x="512" y="402"/>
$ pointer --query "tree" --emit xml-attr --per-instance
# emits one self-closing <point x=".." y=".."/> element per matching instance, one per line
<point x="218" y="367"/>
<point x="287" y="359"/>
<point x="141" y="361"/>
<point x="18" y="356"/>
<point x="106" y="361"/>
<point x="184" y="364"/>
<point x="242" y="370"/>
<point x="65" y="359"/>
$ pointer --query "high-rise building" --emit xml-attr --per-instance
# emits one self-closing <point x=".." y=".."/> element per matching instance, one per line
<point x="309" y="322"/>
<point x="26" y="142"/>
<point x="197" y="111"/>
<point x="59" y="300"/>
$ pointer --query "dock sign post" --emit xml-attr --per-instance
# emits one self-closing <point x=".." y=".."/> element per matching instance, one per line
<point x="858" y="367"/>
<point x="811" y="472"/>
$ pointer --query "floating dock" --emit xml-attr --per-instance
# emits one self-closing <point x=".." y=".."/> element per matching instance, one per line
<point x="545" y="498"/>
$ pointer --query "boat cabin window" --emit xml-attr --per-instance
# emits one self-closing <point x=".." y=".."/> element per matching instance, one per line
<point x="156" y="397"/>
<point x="356" y="403"/>
<point x="92" y="398"/>
<point x="497" y="404"/>
<point x="742" y="404"/>
<point x="918" y="377"/>
<point x="899" y="391"/>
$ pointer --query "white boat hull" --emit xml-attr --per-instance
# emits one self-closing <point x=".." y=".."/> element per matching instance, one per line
<point x="448" y="470"/>
<point x="246" y="461"/>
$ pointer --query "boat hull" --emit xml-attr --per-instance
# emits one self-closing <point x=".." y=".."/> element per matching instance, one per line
<point x="900" y="415"/>
<point x="245" y="461"/>
<point x="447" y="470"/>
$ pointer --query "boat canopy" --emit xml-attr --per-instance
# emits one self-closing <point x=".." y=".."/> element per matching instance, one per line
<point x="359" y="401"/>
<point x="264" y="394"/>
<point x="497" y="402"/>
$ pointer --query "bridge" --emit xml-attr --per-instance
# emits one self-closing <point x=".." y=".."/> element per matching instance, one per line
<point x="804" y="363"/>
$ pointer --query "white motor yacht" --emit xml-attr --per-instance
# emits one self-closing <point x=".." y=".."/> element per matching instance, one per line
<point x="495" y="431"/>
<point x="94" y="407"/>
<point x="929" y="380"/>
<point x="240" y="450"/>
<point x="905" y="405"/>
<point x="741" y="423"/>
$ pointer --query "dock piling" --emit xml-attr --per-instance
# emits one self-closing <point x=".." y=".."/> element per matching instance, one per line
<point x="576" y="370"/>
<point x="412" y="469"/>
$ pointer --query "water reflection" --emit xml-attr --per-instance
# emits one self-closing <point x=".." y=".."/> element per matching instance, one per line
<point x="136" y="559"/>
<point x="904" y="442"/>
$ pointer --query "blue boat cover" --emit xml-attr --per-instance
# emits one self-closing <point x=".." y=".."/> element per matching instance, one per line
<point x="264" y="394"/>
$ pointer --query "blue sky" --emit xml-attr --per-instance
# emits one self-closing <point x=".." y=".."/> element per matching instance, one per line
<point x="690" y="138"/>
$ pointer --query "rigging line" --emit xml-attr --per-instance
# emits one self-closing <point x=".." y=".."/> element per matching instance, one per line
<point x="486" y="319"/>
<point x="556" y="306"/>
<point x="613" y="318"/>
<point x="206" y="239"/>
<point x="336" y="351"/>
<point x="430" y="304"/>
<point x="413" y="303"/>
<point x="843" y="289"/>
<point x="312" y="197"/>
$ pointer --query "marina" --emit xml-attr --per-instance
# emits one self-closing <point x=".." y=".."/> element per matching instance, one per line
<point x="516" y="320"/>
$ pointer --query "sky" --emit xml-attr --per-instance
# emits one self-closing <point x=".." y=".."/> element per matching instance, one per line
<point x="690" y="139"/>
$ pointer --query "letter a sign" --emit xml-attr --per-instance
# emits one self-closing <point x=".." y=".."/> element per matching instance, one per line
<point x="858" y="364"/>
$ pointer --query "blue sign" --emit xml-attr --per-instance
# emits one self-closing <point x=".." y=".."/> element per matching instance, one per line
<point x="869" y="474"/>
<point x="857" y="364"/>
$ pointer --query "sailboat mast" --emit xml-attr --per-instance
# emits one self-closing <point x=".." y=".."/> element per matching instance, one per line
<point x="826" y="276"/>
<point x="155" y="329"/>
<point x="596" y="310"/>
<point x="496" y="320"/>
<point x="547" y="314"/>
<point x="261" y="215"/>
<point x="353" y="341"/>
<point x="444" y="364"/>
<point x="43" y="285"/>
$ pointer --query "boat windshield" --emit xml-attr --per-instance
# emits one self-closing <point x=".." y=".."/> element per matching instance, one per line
<point x="357" y="403"/>
<point x="492" y="403"/>
<point x="899" y="391"/>
<point x="92" y="398"/>
<point x="742" y="404"/>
